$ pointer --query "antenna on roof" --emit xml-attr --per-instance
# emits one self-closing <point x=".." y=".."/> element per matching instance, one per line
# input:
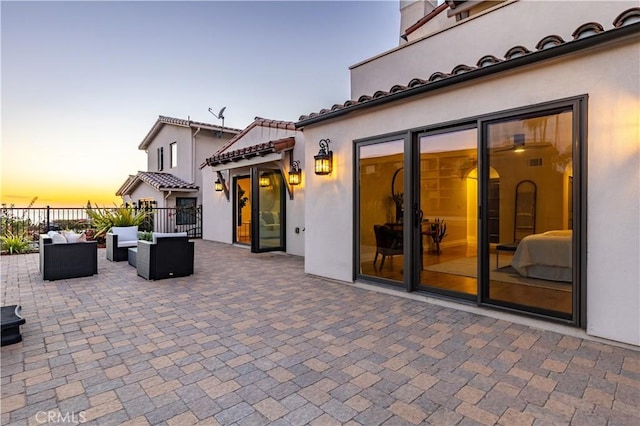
<point x="219" y="116"/>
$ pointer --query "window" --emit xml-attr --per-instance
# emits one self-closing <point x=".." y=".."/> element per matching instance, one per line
<point x="160" y="159"/>
<point x="185" y="211"/>
<point x="174" y="154"/>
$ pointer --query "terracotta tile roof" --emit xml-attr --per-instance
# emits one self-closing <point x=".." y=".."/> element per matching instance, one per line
<point x="164" y="120"/>
<point x="258" y="121"/>
<point x="157" y="180"/>
<point x="629" y="18"/>
<point x="260" y="149"/>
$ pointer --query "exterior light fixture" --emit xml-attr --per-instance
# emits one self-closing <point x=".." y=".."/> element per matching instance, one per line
<point x="218" y="185"/>
<point x="264" y="181"/>
<point x="518" y="142"/>
<point x="295" y="174"/>
<point x="323" y="162"/>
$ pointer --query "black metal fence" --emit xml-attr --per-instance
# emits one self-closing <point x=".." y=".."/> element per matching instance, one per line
<point x="33" y="221"/>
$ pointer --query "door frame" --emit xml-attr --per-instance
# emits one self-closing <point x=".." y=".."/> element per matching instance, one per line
<point x="411" y="187"/>
<point x="255" y="210"/>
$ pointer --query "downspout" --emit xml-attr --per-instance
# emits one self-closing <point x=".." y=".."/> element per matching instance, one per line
<point x="193" y="155"/>
<point x="165" y="205"/>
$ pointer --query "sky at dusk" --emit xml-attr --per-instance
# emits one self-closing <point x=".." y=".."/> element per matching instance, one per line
<point x="83" y="82"/>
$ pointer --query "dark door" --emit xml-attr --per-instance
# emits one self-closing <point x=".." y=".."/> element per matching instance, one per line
<point x="268" y="210"/>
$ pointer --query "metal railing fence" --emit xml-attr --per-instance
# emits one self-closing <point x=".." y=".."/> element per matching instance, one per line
<point x="33" y="221"/>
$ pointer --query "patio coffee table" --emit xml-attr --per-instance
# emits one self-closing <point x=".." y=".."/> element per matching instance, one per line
<point x="131" y="256"/>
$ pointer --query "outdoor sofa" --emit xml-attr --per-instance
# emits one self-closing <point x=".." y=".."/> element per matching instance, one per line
<point x="60" y="259"/>
<point x="168" y="255"/>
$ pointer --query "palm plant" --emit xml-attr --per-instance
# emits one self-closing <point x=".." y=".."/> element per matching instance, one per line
<point x="104" y="219"/>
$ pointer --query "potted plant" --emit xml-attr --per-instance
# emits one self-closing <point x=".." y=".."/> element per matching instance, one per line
<point x="438" y="232"/>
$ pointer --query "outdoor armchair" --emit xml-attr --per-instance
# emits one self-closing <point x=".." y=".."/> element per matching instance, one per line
<point x="119" y="240"/>
<point x="67" y="260"/>
<point x="169" y="255"/>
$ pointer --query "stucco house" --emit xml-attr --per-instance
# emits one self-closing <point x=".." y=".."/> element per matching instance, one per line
<point x="252" y="191"/>
<point x="175" y="148"/>
<point x="492" y="159"/>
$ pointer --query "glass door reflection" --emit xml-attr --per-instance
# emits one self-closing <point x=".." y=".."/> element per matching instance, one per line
<point x="381" y="248"/>
<point x="448" y="200"/>
<point x="269" y="213"/>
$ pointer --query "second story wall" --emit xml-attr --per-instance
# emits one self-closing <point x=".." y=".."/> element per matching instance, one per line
<point x="491" y="32"/>
<point x="193" y="147"/>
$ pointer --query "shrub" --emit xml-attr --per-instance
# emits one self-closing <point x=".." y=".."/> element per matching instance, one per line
<point x="104" y="219"/>
<point x="145" y="236"/>
<point x="15" y="244"/>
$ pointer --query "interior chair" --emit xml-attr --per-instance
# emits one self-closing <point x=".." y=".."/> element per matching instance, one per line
<point x="119" y="240"/>
<point x="387" y="243"/>
<point x="169" y="255"/>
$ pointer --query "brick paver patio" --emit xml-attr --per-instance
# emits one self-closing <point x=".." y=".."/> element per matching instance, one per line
<point x="249" y="339"/>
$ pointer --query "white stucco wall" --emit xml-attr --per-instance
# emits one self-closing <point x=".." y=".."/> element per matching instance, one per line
<point x="144" y="191"/>
<point x="609" y="75"/>
<point x="217" y="211"/>
<point x="492" y="33"/>
<point x="191" y="153"/>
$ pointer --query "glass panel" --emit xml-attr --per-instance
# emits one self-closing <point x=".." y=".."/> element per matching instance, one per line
<point x="270" y="188"/>
<point x="185" y="211"/>
<point x="530" y="263"/>
<point x="449" y="204"/>
<point x="381" y="181"/>
<point x="243" y="210"/>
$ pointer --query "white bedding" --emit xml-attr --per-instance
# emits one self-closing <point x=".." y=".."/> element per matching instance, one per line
<point x="546" y="256"/>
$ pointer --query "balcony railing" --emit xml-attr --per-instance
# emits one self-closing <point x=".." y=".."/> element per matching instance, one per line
<point x="33" y="221"/>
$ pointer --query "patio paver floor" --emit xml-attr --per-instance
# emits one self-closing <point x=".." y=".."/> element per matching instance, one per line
<point x="249" y="339"/>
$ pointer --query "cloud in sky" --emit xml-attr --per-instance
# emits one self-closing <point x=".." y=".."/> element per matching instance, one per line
<point x="83" y="82"/>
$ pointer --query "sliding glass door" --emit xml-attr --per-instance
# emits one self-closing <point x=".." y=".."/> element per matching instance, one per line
<point x="488" y="210"/>
<point x="530" y="264"/>
<point x="380" y="209"/>
<point x="448" y="199"/>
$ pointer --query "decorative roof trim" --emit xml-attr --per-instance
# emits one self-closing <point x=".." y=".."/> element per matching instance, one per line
<point x="460" y="69"/>
<point x="516" y="52"/>
<point x="629" y="16"/>
<point x="179" y="122"/>
<point x="260" y="149"/>
<point x="549" y="41"/>
<point x="517" y="58"/>
<point x="487" y="60"/>
<point x="426" y="18"/>
<point x="587" y="30"/>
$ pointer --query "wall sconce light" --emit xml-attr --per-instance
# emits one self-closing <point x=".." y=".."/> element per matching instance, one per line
<point x="218" y="185"/>
<point x="264" y="181"/>
<point x="518" y="142"/>
<point x="295" y="174"/>
<point x="323" y="162"/>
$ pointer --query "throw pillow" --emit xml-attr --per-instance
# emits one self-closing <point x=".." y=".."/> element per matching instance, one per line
<point x="71" y="236"/>
<point x="57" y="238"/>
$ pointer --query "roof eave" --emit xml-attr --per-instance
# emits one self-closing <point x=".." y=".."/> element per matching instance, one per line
<point x="528" y="59"/>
